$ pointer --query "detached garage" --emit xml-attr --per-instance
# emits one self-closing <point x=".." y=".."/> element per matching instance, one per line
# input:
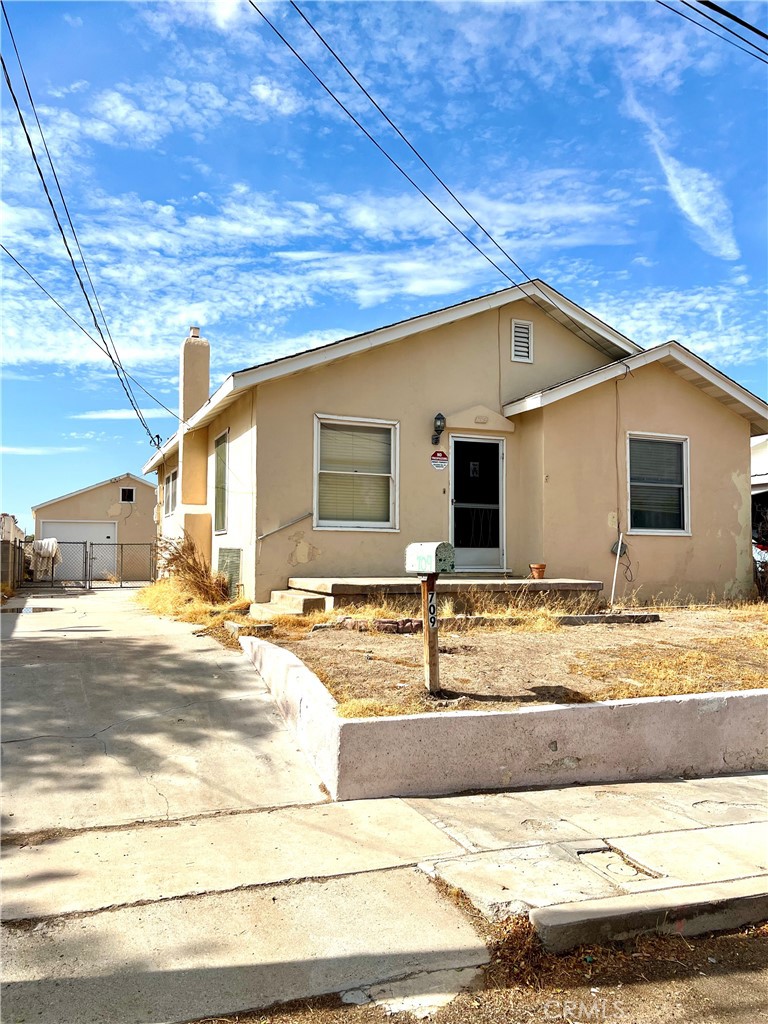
<point x="101" y="523"/>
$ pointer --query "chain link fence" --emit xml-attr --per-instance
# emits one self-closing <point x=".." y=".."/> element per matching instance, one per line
<point x="122" y="565"/>
<point x="86" y="566"/>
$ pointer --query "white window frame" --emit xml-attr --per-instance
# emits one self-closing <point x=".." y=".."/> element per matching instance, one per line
<point x="393" y="526"/>
<point x="225" y="527"/>
<point x="685" y="442"/>
<point x="513" y="357"/>
<point x="132" y="499"/>
<point x="171" y="478"/>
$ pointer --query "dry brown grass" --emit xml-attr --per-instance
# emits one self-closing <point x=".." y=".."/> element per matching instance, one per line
<point x="168" y="597"/>
<point x="658" y="670"/>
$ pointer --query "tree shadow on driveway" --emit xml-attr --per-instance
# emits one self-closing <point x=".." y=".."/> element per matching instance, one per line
<point x="109" y="729"/>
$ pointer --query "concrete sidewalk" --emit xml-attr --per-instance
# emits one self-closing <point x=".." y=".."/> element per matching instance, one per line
<point x="202" y="909"/>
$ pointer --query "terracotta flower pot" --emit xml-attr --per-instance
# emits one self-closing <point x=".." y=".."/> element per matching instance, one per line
<point x="537" y="570"/>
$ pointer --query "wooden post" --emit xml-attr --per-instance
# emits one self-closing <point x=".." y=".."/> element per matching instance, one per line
<point x="429" y="616"/>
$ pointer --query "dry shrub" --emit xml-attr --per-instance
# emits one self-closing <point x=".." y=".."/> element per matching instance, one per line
<point x="182" y="559"/>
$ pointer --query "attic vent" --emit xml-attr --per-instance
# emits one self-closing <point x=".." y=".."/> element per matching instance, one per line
<point x="229" y="565"/>
<point x="522" y="341"/>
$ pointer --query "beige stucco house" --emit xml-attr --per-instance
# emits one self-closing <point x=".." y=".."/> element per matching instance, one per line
<point x="560" y="433"/>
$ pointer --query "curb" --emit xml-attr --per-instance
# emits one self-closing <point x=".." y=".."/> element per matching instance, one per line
<point x="684" y="910"/>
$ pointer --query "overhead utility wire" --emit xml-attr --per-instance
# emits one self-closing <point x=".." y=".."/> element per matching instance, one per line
<point x="405" y="174"/>
<point x="726" y="28"/>
<point x="712" y="32"/>
<point x="77" y="324"/>
<point x="378" y="146"/>
<point x="734" y="17"/>
<point x="58" y="186"/>
<point x="408" y="143"/>
<point x="105" y="349"/>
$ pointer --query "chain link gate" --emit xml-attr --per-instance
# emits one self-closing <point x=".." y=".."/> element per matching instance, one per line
<point x="121" y="565"/>
<point x="70" y="571"/>
<point x="90" y="566"/>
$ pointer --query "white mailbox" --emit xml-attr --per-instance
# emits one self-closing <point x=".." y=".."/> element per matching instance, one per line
<point x="429" y="558"/>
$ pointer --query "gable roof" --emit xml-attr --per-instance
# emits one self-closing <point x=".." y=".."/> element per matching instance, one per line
<point x="112" y="480"/>
<point x="584" y="324"/>
<point x="673" y="356"/>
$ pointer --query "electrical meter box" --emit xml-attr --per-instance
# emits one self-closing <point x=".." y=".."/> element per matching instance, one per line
<point x="429" y="558"/>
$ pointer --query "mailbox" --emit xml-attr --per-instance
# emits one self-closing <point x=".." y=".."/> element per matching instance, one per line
<point x="429" y="558"/>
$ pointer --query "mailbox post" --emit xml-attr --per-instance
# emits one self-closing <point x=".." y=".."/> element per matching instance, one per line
<point x="429" y="560"/>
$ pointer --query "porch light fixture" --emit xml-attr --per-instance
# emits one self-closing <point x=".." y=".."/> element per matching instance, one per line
<point x="439" y="427"/>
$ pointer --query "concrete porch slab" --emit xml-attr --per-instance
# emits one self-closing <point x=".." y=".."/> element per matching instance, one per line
<point x="339" y="591"/>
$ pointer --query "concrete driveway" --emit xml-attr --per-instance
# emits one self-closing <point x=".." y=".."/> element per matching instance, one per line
<point x="112" y="715"/>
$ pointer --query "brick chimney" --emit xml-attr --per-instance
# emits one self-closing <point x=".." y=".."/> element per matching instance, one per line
<point x="194" y="373"/>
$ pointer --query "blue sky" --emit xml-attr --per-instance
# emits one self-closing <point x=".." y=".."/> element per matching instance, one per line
<point x="614" y="149"/>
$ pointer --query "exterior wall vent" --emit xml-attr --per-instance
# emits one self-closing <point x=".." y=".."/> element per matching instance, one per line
<point x="230" y="560"/>
<point x="522" y="341"/>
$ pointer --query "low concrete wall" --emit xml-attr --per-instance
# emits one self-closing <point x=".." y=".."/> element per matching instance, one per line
<point x="548" y="745"/>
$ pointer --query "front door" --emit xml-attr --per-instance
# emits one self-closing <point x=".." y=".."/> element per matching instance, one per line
<point x="476" y="502"/>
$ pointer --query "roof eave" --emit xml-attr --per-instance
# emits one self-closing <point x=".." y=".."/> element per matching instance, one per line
<point x="720" y="386"/>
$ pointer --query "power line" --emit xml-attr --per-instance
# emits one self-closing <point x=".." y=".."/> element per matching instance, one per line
<point x="77" y="324"/>
<point x="58" y="185"/>
<point x="712" y="32"/>
<point x="578" y="327"/>
<point x="734" y="17"/>
<point x="117" y="367"/>
<point x="719" y="24"/>
<point x="381" y="149"/>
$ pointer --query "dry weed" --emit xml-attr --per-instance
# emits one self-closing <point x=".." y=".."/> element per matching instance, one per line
<point x="168" y="597"/>
<point x="183" y="560"/>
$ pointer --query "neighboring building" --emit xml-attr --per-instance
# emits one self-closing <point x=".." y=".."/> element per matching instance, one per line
<point x="11" y="550"/>
<point x="109" y="513"/>
<point x="560" y="433"/>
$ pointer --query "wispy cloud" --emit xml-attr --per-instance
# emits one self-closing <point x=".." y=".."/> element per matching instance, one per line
<point x="697" y="194"/>
<point x="121" y="414"/>
<point x="41" y="450"/>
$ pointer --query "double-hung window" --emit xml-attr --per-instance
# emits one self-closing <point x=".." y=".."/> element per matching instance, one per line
<point x="355" y="473"/>
<point x="220" y="454"/>
<point x="169" y="492"/>
<point x="658" y="484"/>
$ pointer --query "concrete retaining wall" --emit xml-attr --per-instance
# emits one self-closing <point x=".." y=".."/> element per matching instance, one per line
<point x="547" y="745"/>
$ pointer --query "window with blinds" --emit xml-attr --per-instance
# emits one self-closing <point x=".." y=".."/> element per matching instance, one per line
<point x="220" y="483"/>
<point x="657" y="475"/>
<point x="522" y="341"/>
<point x="356" y="479"/>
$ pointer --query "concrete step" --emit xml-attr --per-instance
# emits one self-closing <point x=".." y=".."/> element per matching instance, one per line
<point x="295" y="601"/>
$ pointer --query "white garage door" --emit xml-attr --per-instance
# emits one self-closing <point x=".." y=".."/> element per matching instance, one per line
<point x="97" y="533"/>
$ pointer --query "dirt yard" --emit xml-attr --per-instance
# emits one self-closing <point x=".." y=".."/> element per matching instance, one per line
<point x="495" y="668"/>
